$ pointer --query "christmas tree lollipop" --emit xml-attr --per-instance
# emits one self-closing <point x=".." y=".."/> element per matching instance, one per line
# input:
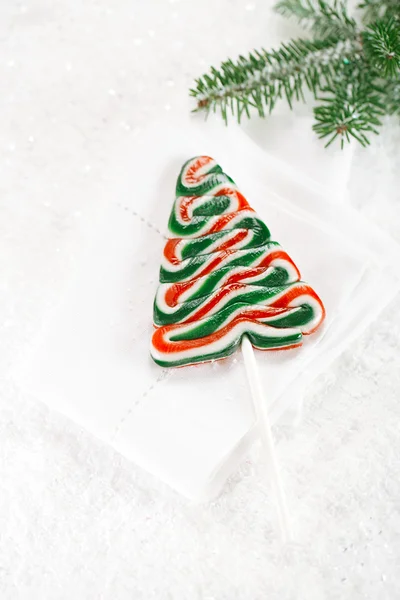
<point x="225" y="283"/>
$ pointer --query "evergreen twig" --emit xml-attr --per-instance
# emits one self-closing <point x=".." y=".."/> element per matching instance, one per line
<point x="324" y="20"/>
<point x="392" y="90"/>
<point x="259" y="80"/>
<point x="347" y="110"/>
<point x="353" y="73"/>
<point x="382" y="47"/>
<point x="374" y="10"/>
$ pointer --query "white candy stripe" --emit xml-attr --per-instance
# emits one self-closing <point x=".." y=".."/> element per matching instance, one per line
<point x="228" y="256"/>
<point x="194" y="202"/>
<point x="230" y="234"/>
<point x="209" y="257"/>
<point x="270" y="303"/>
<point x="199" y="281"/>
<point x="318" y="310"/>
<point x="211" y="221"/>
<point x="234" y="291"/>
<point x="201" y="175"/>
<point x="219" y="345"/>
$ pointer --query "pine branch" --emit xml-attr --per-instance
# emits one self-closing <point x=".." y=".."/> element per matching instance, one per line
<point x="258" y="81"/>
<point x="351" y="107"/>
<point x="354" y="75"/>
<point x="382" y="47"/>
<point x="324" y="20"/>
<point x="392" y="98"/>
<point x="374" y="10"/>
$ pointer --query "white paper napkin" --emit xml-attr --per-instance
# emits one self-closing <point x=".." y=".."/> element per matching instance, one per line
<point x="290" y="138"/>
<point x="191" y="426"/>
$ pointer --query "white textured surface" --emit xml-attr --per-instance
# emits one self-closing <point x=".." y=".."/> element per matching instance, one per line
<point x="79" y="521"/>
<point x="93" y="364"/>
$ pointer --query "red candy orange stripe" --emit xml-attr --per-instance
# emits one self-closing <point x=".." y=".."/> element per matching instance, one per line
<point x="264" y="297"/>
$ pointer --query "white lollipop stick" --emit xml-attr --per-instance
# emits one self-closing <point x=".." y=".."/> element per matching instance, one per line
<point x="261" y="411"/>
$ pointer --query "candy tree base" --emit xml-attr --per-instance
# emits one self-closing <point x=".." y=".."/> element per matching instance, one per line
<point x="261" y="412"/>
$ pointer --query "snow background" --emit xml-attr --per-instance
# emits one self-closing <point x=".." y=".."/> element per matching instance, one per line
<point x="76" y="519"/>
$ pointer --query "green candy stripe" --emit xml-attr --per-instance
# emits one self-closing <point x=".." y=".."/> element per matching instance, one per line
<point x="214" y="225"/>
<point x="191" y="266"/>
<point x="276" y="277"/>
<point x="258" y="341"/>
<point x="258" y="295"/>
<point x="215" y="177"/>
<point x="207" y="326"/>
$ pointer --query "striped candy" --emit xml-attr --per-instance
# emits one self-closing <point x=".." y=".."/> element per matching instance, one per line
<point x="222" y="277"/>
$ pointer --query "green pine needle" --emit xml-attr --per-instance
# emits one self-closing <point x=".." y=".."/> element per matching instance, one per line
<point x="324" y="20"/>
<point x="349" y="109"/>
<point x="256" y="82"/>
<point x="375" y="10"/>
<point x="392" y="98"/>
<point x="382" y="47"/>
<point x="353" y="73"/>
